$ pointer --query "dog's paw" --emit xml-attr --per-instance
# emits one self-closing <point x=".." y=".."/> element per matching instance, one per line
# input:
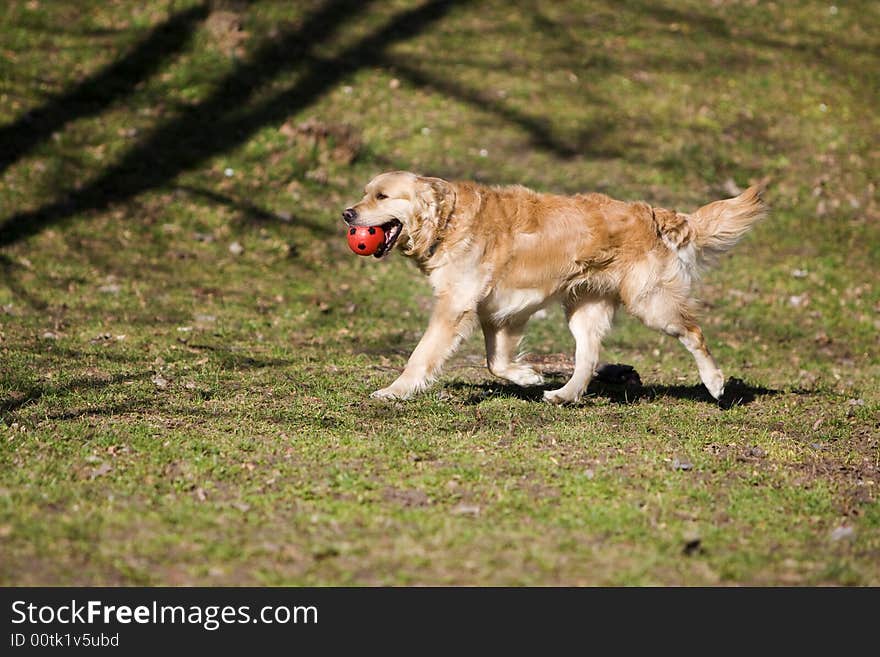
<point x="560" y="396"/>
<point x="524" y="376"/>
<point x="387" y="393"/>
<point x="395" y="391"/>
<point x="715" y="384"/>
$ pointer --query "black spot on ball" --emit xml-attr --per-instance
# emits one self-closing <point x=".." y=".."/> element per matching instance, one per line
<point x="372" y="231"/>
<point x="352" y="231"/>
<point x="362" y="246"/>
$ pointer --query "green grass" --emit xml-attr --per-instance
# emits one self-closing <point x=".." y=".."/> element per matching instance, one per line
<point x="176" y="413"/>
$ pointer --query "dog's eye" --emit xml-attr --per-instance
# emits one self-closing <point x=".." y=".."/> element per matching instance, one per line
<point x="380" y="196"/>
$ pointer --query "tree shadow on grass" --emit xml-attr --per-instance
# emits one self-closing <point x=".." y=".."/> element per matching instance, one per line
<point x="28" y="392"/>
<point x="232" y="113"/>
<point x="10" y="280"/>
<point x="586" y="143"/>
<point x="33" y="393"/>
<point x="252" y="212"/>
<point x="229" y="359"/>
<point x="96" y="93"/>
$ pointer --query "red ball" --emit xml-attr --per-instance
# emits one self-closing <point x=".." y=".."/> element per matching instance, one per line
<point x="365" y="240"/>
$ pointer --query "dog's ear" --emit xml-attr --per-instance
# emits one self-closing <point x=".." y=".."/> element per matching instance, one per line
<point x="437" y="199"/>
<point x="434" y="203"/>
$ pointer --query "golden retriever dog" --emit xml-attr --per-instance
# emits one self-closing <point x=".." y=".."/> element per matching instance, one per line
<point x="498" y="254"/>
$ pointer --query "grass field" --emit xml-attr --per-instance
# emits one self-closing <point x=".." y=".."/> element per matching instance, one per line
<point x="187" y="346"/>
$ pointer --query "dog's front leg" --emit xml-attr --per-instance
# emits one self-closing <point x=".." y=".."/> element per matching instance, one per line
<point x="449" y="324"/>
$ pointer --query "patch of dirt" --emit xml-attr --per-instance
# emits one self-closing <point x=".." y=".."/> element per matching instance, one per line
<point x="538" y="489"/>
<point x="339" y="143"/>
<point x="552" y="364"/>
<point x="227" y="32"/>
<point x="407" y="497"/>
<point x="849" y="465"/>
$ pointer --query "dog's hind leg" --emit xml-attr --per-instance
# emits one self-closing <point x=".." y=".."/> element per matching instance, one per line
<point x="668" y="312"/>
<point x="589" y="319"/>
<point x="691" y="337"/>
<point x="501" y="345"/>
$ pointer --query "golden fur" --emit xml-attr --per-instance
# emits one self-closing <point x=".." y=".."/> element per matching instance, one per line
<point x="498" y="254"/>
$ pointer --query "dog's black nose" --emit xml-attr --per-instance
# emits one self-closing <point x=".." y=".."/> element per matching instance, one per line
<point x="349" y="215"/>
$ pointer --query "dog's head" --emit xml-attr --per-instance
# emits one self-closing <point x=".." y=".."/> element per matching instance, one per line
<point x="404" y="205"/>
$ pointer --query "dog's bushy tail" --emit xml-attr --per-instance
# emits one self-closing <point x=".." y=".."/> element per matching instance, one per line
<point x="719" y="226"/>
<point x="699" y="238"/>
